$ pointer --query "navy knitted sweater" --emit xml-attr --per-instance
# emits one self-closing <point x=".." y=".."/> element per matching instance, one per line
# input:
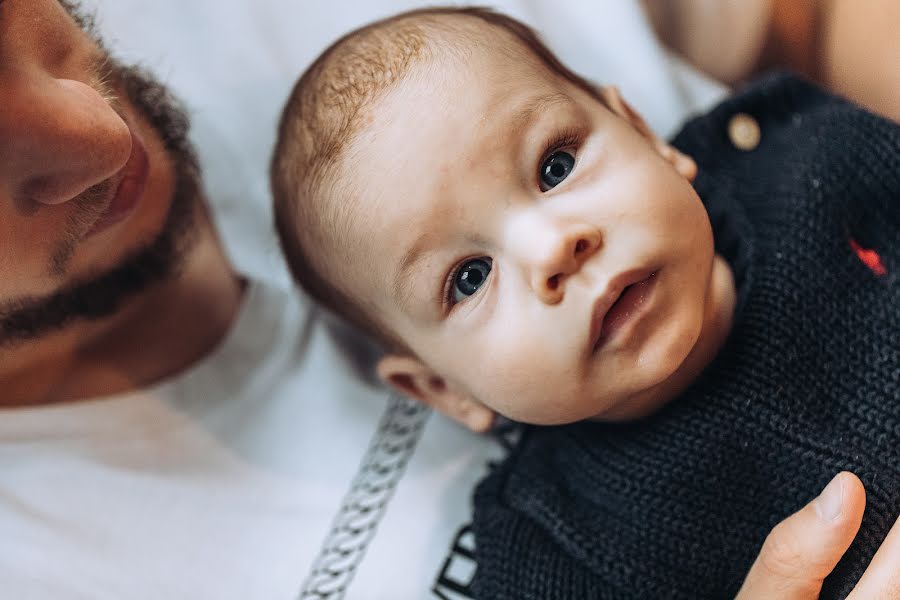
<point x="808" y="383"/>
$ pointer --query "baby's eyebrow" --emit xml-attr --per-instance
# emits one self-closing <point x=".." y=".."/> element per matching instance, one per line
<point x="523" y="117"/>
<point x="407" y="267"/>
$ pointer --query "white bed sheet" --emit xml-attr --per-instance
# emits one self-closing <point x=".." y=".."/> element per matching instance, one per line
<point x="233" y="63"/>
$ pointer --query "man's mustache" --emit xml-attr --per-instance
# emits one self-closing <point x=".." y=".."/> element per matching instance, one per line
<point x="89" y="207"/>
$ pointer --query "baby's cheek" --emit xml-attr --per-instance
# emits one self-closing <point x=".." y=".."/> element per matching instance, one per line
<point x="543" y="394"/>
<point x="696" y="220"/>
<point x="675" y="333"/>
<point x="512" y="383"/>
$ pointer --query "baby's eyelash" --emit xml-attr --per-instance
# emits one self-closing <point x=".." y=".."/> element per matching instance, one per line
<point x="447" y="288"/>
<point x="564" y="138"/>
<point x="446" y="299"/>
<point x="446" y="292"/>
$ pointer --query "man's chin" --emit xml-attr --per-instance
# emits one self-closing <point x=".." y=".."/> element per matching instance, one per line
<point x="99" y="296"/>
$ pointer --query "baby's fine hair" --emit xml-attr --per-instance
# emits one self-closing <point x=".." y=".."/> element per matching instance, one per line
<point x="327" y="107"/>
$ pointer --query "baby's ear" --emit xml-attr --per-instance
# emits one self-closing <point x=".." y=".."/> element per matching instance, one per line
<point x="683" y="163"/>
<point x="412" y="377"/>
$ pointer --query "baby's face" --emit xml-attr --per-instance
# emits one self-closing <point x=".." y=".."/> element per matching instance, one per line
<point x="529" y="245"/>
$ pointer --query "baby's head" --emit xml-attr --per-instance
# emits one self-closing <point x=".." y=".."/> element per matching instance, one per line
<point x="517" y="238"/>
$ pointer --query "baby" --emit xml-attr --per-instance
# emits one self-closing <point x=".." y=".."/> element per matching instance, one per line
<point x="522" y="244"/>
<point x="517" y="237"/>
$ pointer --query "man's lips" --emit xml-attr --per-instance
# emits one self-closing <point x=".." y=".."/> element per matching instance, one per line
<point x="624" y="294"/>
<point x="131" y="182"/>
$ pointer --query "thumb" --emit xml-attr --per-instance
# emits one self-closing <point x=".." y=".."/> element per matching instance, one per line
<point x="804" y="548"/>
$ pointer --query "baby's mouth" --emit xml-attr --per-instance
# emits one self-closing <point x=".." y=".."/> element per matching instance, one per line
<point x="628" y="303"/>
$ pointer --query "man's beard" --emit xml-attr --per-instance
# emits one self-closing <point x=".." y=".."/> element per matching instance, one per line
<point x="102" y="295"/>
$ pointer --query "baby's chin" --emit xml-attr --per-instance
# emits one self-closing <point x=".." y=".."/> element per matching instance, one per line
<point x="656" y="388"/>
<point x="650" y="391"/>
<point x="635" y="407"/>
<point x="678" y="365"/>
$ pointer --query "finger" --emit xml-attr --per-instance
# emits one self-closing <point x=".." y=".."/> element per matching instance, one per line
<point x="881" y="581"/>
<point x="804" y="548"/>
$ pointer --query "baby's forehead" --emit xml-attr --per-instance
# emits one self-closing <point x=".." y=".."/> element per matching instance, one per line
<point x="450" y="105"/>
<point x="482" y="79"/>
<point x="415" y="59"/>
<point x="454" y="104"/>
<point x="432" y="49"/>
<point x="430" y="142"/>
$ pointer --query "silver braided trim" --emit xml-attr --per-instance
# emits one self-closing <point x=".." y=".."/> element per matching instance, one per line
<point x="373" y="486"/>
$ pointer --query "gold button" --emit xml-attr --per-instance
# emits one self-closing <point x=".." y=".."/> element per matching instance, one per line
<point x="743" y="130"/>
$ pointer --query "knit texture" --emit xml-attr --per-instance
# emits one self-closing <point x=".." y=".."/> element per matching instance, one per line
<point x="808" y="383"/>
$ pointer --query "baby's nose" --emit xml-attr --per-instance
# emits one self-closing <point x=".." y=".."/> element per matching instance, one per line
<point x="559" y="254"/>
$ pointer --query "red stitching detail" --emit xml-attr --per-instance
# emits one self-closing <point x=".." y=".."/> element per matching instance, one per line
<point x="869" y="258"/>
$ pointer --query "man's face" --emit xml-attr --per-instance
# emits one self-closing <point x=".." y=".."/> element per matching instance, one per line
<point x="529" y="245"/>
<point x="95" y="176"/>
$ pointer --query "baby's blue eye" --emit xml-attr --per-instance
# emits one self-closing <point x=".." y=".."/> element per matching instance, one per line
<point x="555" y="169"/>
<point x="471" y="275"/>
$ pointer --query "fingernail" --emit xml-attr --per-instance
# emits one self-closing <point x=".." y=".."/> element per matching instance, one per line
<point x="828" y="504"/>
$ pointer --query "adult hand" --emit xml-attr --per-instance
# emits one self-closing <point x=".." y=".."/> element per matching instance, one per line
<point x="804" y="548"/>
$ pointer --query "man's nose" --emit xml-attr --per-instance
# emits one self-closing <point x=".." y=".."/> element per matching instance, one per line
<point x="554" y="249"/>
<point x="58" y="137"/>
